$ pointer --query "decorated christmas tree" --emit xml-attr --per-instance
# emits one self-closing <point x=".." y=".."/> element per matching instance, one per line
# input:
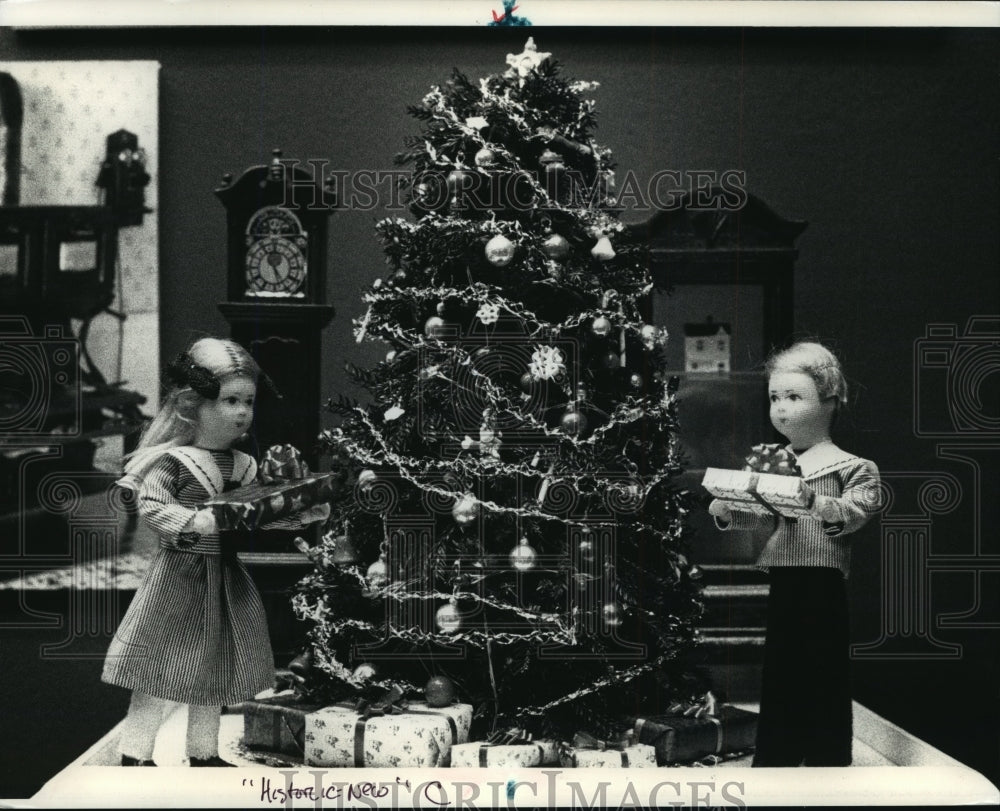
<point x="515" y="536"/>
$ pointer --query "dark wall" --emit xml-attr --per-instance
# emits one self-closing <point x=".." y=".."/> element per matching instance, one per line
<point x="885" y="141"/>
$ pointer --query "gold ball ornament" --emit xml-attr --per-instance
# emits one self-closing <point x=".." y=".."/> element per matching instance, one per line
<point x="522" y="557"/>
<point x="500" y="251"/>
<point x="556" y="247"/>
<point x="573" y="423"/>
<point x="466" y="510"/>
<point x="448" y="617"/>
<point x="440" y="691"/>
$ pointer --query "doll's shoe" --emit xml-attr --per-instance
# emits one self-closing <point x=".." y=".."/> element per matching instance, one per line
<point x="215" y="760"/>
<point x="134" y="761"/>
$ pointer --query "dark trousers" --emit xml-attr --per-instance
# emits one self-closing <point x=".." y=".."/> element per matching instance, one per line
<point x="805" y="706"/>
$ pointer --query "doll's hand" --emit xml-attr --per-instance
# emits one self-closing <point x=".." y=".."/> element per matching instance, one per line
<point x="719" y="509"/>
<point x="203" y="522"/>
<point x="825" y="509"/>
<point x="318" y="512"/>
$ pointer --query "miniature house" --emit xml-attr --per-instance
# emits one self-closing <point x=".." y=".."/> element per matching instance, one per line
<point x="706" y="347"/>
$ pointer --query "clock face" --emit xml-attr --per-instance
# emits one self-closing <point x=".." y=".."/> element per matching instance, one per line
<point x="276" y="266"/>
<point x="276" y="254"/>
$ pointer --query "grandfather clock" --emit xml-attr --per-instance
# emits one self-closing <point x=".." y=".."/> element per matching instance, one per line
<point x="276" y="222"/>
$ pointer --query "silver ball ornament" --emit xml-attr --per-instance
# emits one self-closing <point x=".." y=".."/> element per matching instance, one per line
<point x="485" y="157"/>
<point x="466" y="510"/>
<point x="612" y="615"/>
<point x="600" y="325"/>
<point x="522" y="557"/>
<point x="500" y="251"/>
<point x="364" y="672"/>
<point x="448" y="617"/>
<point x="434" y="326"/>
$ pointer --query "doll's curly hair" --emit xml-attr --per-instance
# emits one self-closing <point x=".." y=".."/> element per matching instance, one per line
<point x="813" y="359"/>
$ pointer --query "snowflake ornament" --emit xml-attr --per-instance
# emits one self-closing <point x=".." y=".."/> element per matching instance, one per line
<point x="547" y="363"/>
<point x="488" y="313"/>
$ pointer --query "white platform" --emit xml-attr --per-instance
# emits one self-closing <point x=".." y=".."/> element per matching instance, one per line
<point x="891" y="767"/>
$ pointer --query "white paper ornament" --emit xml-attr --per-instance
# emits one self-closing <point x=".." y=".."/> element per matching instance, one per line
<point x="603" y="251"/>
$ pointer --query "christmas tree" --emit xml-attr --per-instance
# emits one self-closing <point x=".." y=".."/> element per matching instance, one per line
<point x="515" y="532"/>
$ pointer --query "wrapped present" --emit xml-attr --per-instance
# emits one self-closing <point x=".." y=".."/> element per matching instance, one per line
<point x="511" y="755"/>
<point x="761" y="493"/>
<point x="282" y="463"/>
<point x="254" y="505"/>
<point x="420" y="736"/>
<point x="639" y="756"/>
<point x="687" y="733"/>
<point x="276" y="724"/>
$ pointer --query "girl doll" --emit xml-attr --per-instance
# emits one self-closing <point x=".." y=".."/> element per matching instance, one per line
<point x="195" y="633"/>
<point x="805" y="708"/>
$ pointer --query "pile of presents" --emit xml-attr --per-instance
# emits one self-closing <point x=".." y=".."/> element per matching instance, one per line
<point x="393" y="732"/>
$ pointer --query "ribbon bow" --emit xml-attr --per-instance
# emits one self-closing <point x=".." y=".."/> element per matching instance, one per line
<point x="385" y="705"/>
<point x="774" y="459"/>
<point x="509" y="737"/>
<point x="584" y="740"/>
<point x="183" y="371"/>
<point x="283" y="463"/>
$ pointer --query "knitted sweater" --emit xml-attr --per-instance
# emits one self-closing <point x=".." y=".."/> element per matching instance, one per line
<point x="848" y="493"/>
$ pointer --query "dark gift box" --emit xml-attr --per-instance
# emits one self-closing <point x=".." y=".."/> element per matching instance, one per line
<point x="254" y="505"/>
<point x="682" y="738"/>
<point x="276" y="724"/>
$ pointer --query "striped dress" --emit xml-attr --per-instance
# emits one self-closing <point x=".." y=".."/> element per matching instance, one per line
<point x="195" y="631"/>
<point x="848" y="493"/>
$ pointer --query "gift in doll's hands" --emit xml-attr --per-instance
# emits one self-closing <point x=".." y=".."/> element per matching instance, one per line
<point x="281" y="503"/>
<point x="771" y="484"/>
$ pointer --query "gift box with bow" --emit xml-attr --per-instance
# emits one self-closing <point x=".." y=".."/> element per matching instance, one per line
<point x="688" y="732"/>
<point x="511" y="749"/>
<point x="586" y="751"/>
<point x="280" y="494"/>
<point x="276" y="724"/>
<point x="386" y="734"/>
<point x="770" y="484"/>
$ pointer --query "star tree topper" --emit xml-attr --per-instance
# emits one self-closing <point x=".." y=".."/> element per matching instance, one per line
<point x="528" y="60"/>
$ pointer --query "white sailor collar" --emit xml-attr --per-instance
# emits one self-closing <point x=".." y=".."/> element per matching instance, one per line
<point x="823" y="458"/>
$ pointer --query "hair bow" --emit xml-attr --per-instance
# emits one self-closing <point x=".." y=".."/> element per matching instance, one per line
<point x="185" y="372"/>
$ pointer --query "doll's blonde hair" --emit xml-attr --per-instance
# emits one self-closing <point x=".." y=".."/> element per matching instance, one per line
<point x="176" y="422"/>
<point x="815" y="360"/>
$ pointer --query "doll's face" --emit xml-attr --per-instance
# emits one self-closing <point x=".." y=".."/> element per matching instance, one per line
<point x="224" y="420"/>
<point x="797" y="411"/>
